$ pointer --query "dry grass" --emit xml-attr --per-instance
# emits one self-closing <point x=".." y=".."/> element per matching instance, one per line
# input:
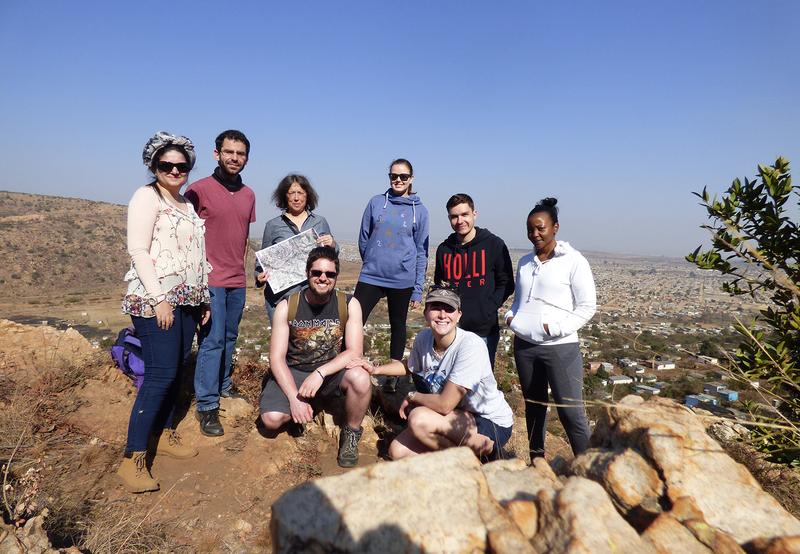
<point x="41" y="465"/>
<point x="306" y="465"/>
<point x="249" y="376"/>
<point x="124" y="527"/>
<point x="780" y="481"/>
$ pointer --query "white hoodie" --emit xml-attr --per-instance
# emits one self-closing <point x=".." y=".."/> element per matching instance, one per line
<point x="559" y="292"/>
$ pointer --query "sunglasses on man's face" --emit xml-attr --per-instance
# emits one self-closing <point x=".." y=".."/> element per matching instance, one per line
<point x="402" y="176"/>
<point x="167" y="167"/>
<point x="317" y="273"/>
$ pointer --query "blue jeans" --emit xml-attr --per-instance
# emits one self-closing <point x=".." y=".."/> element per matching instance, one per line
<point x="217" y="340"/>
<point x="164" y="352"/>
<point x="491" y="343"/>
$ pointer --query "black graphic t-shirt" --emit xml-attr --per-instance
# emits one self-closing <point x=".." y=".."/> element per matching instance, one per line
<point x="315" y="335"/>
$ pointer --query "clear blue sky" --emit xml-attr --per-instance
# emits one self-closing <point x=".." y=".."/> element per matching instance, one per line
<point x="619" y="109"/>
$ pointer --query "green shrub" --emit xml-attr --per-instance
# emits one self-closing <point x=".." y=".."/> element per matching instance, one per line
<point x="755" y="242"/>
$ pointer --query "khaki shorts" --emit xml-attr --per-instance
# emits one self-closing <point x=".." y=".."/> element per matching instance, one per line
<point x="274" y="400"/>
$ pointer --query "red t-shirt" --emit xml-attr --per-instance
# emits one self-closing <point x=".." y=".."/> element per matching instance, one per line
<point x="228" y="216"/>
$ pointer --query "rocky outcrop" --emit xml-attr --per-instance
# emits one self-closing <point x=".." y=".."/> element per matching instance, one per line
<point x="29" y="349"/>
<point x="632" y="483"/>
<point x="692" y="464"/>
<point x="654" y="481"/>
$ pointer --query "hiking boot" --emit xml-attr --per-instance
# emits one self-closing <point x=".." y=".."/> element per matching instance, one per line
<point x="170" y="443"/>
<point x="134" y="474"/>
<point x="232" y="393"/>
<point x="348" y="446"/>
<point x="209" y="423"/>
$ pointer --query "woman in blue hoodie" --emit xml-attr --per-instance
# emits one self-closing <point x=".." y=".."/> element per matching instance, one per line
<point x="393" y="243"/>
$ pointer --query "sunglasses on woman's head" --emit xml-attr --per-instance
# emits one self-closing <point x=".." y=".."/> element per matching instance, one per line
<point x="402" y="176"/>
<point x="318" y="273"/>
<point x="167" y="167"/>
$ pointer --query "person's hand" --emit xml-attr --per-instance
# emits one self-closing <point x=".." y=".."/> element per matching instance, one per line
<point x="546" y="329"/>
<point x="263" y="276"/>
<point x="485" y="447"/>
<point x="205" y="313"/>
<point x="415" y="304"/>
<point x="509" y="319"/>
<point x="325" y="240"/>
<point x="362" y="363"/>
<point x="311" y="385"/>
<point x="301" y="410"/>
<point x="404" y="408"/>
<point x="164" y="315"/>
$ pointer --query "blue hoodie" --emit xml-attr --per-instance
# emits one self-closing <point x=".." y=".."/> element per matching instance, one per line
<point x="393" y="242"/>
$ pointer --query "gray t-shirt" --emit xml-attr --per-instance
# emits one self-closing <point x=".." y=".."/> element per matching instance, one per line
<point x="464" y="363"/>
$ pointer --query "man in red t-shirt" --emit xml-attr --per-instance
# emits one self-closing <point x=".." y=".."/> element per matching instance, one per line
<point x="228" y="207"/>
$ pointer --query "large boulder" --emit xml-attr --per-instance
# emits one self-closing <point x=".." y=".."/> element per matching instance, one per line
<point x="694" y="465"/>
<point x="631" y="482"/>
<point x="581" y="518"/>
<point x="437" y="502"/>
<point x="516" y="487"/>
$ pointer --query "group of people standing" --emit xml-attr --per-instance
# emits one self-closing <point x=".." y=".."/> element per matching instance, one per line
<point x="188" y="269"/>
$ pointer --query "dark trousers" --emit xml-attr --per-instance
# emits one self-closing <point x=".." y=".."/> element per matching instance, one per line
<point x="559" y="366"/>
<point x="397" y="299"/>
<point x="164" y="352"/>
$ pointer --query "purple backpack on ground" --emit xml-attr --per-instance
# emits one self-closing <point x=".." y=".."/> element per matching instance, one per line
<point x="127" y="355"/>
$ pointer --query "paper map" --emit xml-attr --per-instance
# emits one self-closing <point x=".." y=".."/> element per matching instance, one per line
<point x="286" y="260"/>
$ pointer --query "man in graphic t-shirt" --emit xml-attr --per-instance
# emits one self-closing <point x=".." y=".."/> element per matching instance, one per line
<point x="313" y="338"/>
<point x="477" y="264"/>
<point x="228" y="207"/>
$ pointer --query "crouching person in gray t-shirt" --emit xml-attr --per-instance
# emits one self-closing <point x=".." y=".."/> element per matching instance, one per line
<point x="457" y="402"/>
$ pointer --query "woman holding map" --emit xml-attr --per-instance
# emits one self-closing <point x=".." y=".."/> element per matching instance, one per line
<point x="297" y="199"/>
<point x="167" y="297"/>
<point x="554" y="297"/>
<point x="393" y="243"/>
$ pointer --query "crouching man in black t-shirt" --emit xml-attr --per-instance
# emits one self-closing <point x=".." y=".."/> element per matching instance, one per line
<point x="315" y="333"/>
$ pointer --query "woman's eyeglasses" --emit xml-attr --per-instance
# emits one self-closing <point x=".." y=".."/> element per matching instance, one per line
<point x="167" y="167"/>
<point x="317" y="273"/>
<point x="402" y="176"/>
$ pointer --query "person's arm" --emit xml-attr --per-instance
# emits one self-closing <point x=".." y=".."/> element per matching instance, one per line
<point x="421" y="242"/>
<point x="142" y="215"/>
<point x="324" y="235"/>
<point x="438" y="267"/>
<point x="503" y="276"/>
<point x="247" y="235"/>
<point x="266" y="240"/>
<point x="584" y="297"/>
<point x="301" y="410"/>
<point x="393" y="368"/>
<point x="365" y="230"/>
<point x="442" y="403"/>
<point x="517" y="295"/>
<point x="354" y="348"/>
<point x="192" y="196"/>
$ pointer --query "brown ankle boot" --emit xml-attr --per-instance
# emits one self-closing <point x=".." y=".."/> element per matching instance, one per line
<point x="134" y="473"/>
<point x="171" y="444"/>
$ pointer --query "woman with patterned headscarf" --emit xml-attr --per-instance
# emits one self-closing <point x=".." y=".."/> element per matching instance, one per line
<point x="167" y="297"/>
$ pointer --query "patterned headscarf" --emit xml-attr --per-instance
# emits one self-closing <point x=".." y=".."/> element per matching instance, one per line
<point x="162" y="139"/>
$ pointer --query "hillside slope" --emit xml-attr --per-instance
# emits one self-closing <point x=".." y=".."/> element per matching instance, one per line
<point x="60" y="246"/>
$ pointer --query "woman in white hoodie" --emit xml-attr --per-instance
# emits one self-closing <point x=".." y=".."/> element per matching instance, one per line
<point x="554" y="297"/>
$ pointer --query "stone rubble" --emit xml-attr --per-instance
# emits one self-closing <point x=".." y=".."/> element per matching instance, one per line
<point x="653" y="481"/>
